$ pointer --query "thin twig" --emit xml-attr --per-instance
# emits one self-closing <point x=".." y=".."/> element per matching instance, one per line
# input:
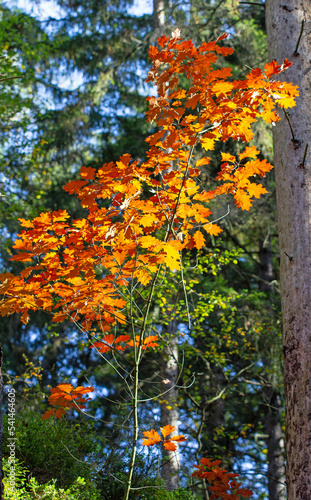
<point x="296" y="53"/>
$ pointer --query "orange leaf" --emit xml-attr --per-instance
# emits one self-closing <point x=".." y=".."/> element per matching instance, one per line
<point x="152" y="437"/>
<point x="203" y="161"/>
<point x="48" y="414"/>
<point x="167" y="429"/>
<point x="199" y="240"/>
<point x="178" y="439"/>
<point x="212" y="229"/>
<point x="87" y="173"/>
<point x="249" y="152"/>
<point x="168" y="445"/>
<point x="222" y="87"/>
<point x="59" y="412"/>
<point x="150" y="341"/>
<point x="228" y="157"/>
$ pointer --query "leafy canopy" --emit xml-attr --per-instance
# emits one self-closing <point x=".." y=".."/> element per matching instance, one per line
<point x="77" y="269"/>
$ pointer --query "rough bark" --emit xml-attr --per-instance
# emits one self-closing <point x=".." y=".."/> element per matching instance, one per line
<point x="169" y="409"/>
<point x="289" y="36"/>
<point x="1" y="429"/>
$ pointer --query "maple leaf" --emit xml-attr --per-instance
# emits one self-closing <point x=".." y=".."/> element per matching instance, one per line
<point x="166" y="430"/>
<point x="212" y="229"/>
<point x="105" y="345"/>
<point x="168" y="445"/>
<point x="199" y="240"/>
<point x="242" y="199"/>
<point x="222" y="88"/>
<point x="203" y="161"/>
<point x="74" y="186"/>
<point x="162" y="41"/>
<point x="249" y="152"/>
<point x="222" y="483"/>
<point x="26" y="223"/>
<point x="151" y="438"/>
<point x="59" y="412"/>
<point x="192" y="101"/>
<point x="150" y="341"/>
<point x="172" y="257"/>
<point x="48" y="414"/>
<point x="87" y="173"/>
<point x="62" y="388"/>
<point x="256" y="189"/>
<point x="178" y="439"/>
<point x="208" y="142"/>
<point x="272" y="68"/>
<point x="228" y="157"/>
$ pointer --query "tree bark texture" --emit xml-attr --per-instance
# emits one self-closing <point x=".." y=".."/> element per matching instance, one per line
<point x="289" y="36"/>
<point x="169" y="408"/>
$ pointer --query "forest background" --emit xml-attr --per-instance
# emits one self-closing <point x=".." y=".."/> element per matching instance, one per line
<point x="50" y="127"/>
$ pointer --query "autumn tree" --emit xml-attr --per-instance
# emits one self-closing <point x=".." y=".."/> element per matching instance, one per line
<point x="101" y="271"/>
<point x="89" y="61"/>
<point x="288" y="31"/>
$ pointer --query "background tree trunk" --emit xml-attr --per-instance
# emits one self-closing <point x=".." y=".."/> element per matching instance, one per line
<point x="275" y="445"/>
<point x="289" y="36"/>
<point x="1" y="429"/>
<point x="271" y="394"/>
<point x="169" y="408"/>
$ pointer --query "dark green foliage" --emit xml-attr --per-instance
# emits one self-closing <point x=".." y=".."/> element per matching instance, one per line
<point x="54" y="449"/>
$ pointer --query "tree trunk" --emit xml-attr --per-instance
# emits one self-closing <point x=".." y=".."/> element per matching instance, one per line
<point x="275" y="445"/>
<point x="169" y="408"/>
<point x="1" y="429"/>
<point x="289" y="36"/>
<point x="273" y="415"/>
<point x="158" y="16"/>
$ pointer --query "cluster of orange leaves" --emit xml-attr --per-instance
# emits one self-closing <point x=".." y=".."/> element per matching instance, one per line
<point x="64" y="396"/>
<point x="152" y="437"/>
<point x="110" y="342"/>
<point x="142" y="215"/>
<point x="222" y="484"/>
<point x="76" y="269"/>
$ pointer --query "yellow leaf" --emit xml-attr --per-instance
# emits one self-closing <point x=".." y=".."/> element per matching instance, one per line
<point x="249" y="152"/>
<point x="172" y="258"/>
<point x="222" y="87"/>
<point x="203" y="161"/>
<point x="228" y="157"/>
<point x="208" y="143"/>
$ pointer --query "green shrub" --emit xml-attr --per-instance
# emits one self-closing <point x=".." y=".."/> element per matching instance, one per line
<point x="28" y="488"/>
<point x="54" y="449"/>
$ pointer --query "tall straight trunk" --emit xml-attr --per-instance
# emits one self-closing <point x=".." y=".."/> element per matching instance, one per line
<point x="289" y="36"/>
<point x="169" y="409"/>
<point x="169" y="355"/>
<point x="1" y="429"/>
<point x="158" y="15"/>
<point x="273" y="416"/>
<point x="275" y="444"/>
